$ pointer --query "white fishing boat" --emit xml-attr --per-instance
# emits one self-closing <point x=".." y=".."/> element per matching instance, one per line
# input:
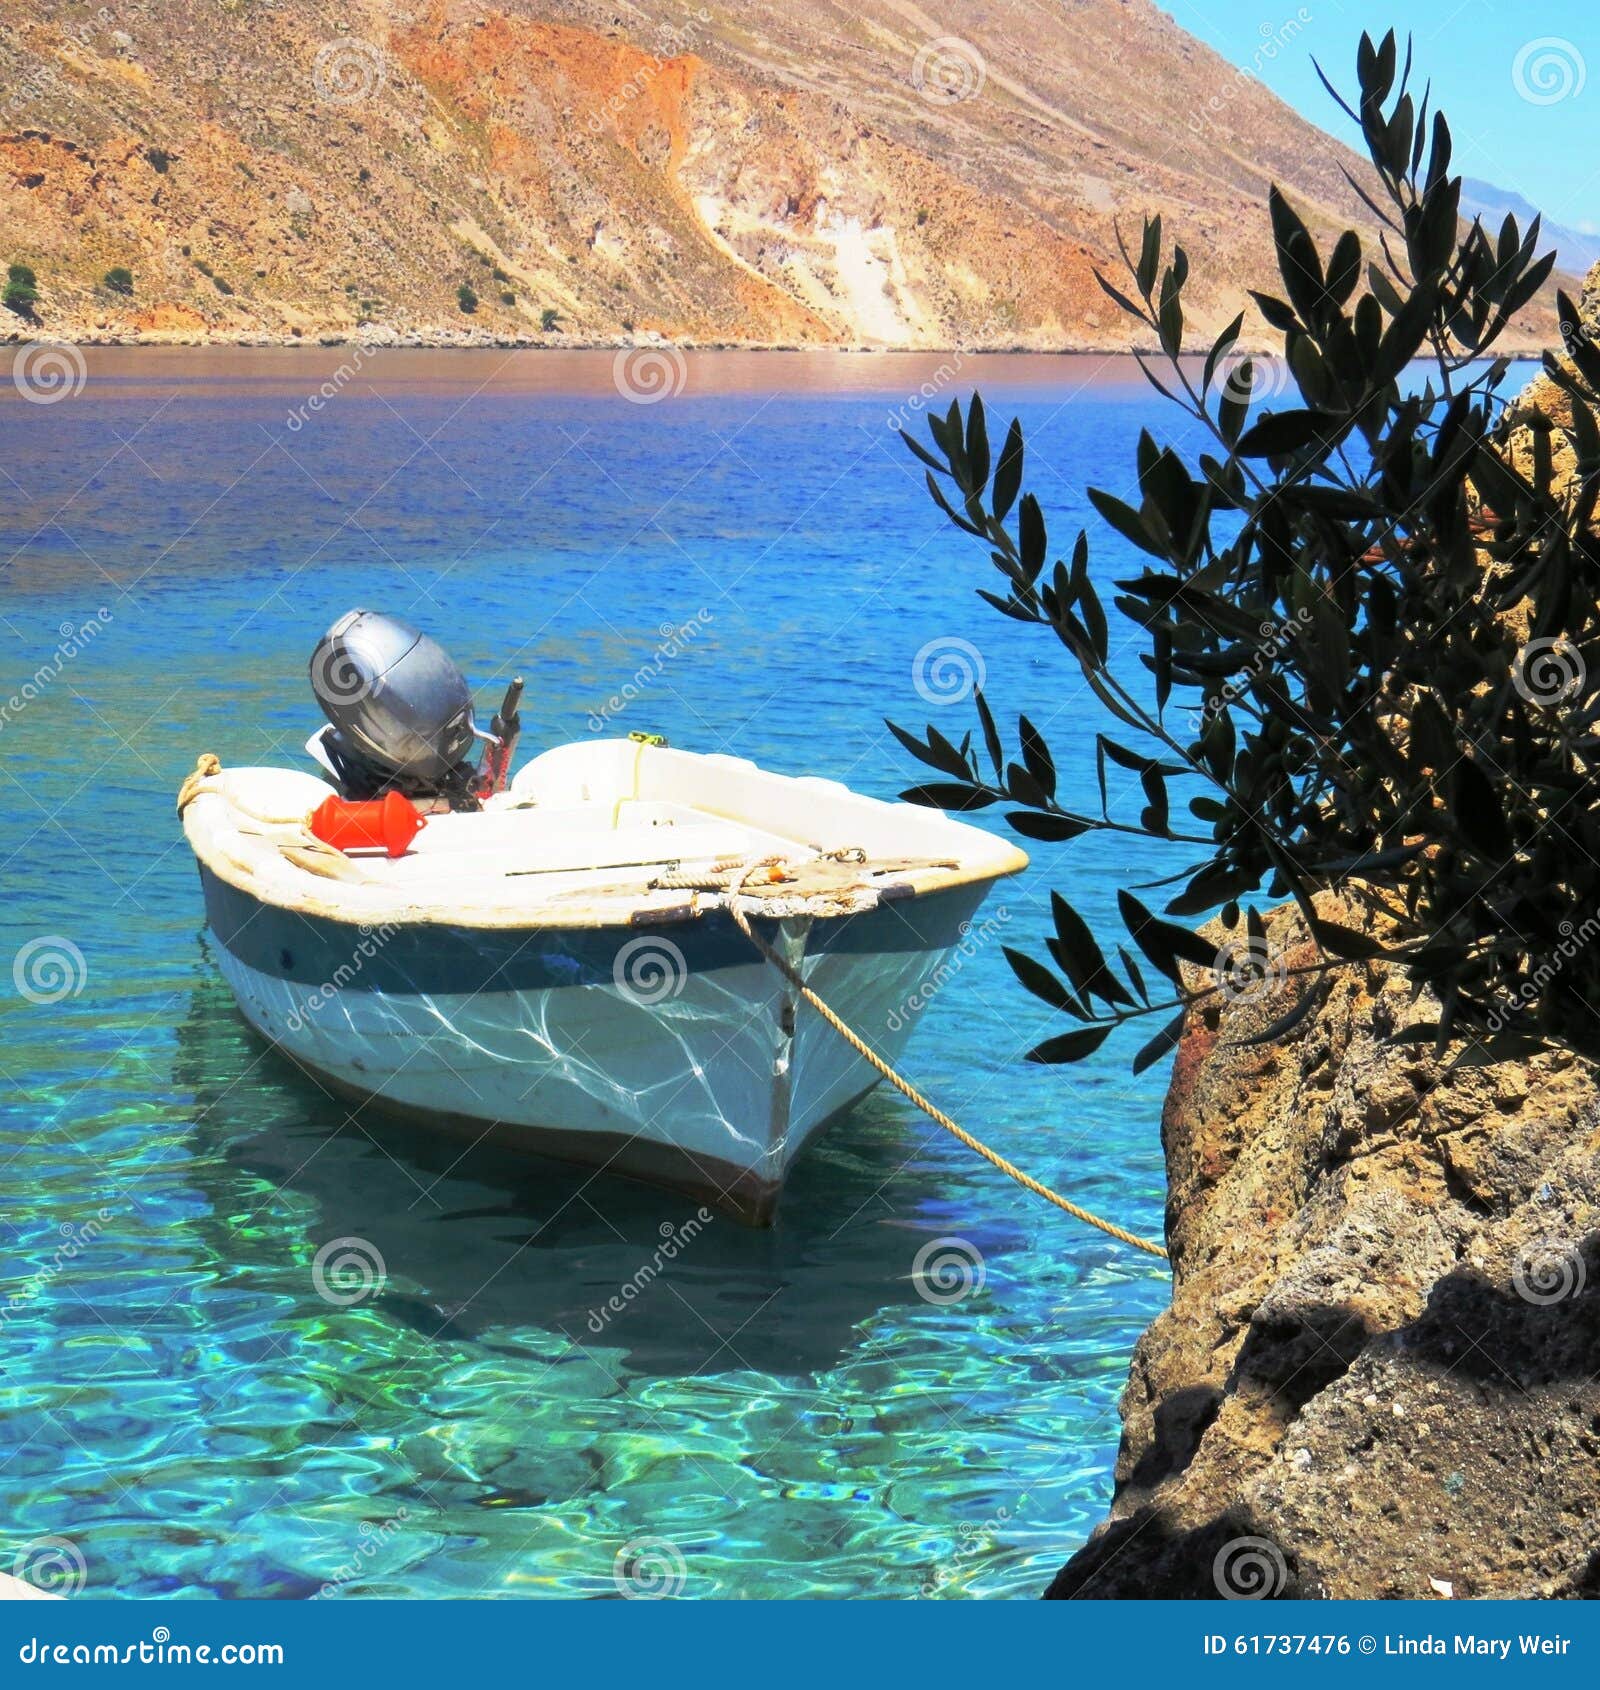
<point x="552" y="961"/>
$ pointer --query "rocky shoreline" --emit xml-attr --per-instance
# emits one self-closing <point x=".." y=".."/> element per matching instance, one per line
<point x="441" y="339"/>
<point x="1380" y="1372"/>
<point x="1379" y="1375"/>
<point x="457" y="340"/>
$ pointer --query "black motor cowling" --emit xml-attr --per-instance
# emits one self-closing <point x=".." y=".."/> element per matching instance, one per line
<point x="400" y="709"/>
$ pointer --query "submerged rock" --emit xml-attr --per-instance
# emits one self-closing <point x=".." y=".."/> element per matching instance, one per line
<point x="1380" y="1373"/>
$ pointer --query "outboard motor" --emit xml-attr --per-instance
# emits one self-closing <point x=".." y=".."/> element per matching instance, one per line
<point x="399" y="712"/>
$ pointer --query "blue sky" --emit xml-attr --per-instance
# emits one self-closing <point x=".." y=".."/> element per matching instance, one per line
<point x="1519" y="80"/>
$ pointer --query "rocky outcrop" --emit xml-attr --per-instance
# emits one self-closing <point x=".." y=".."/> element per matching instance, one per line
<point x="1543" y="401"/>
<point x="1380" y="1372"/>
<point x="864" y="174"/>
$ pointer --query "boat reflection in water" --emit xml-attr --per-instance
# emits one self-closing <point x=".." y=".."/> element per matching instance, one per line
<point x="505" y="1249"/>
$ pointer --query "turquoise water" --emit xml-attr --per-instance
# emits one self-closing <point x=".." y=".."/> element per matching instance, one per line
<point x="775" y="1414"/>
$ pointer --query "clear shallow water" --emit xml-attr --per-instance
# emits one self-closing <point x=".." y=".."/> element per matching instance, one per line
<point x="786" y="1410"/>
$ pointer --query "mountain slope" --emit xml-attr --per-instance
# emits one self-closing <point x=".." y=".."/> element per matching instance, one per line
<point x="878" y="173"/>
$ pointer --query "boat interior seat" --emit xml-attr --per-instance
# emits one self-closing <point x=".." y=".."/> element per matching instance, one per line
<point x="571" y="837"/>
<point x="580" y="841"/>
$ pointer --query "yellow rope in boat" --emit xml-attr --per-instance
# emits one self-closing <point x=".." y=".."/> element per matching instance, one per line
<point x="909" y="1091"/>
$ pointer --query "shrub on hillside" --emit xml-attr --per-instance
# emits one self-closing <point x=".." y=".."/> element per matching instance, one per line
<point x="466" y="298"/>
<point x="1369" y="636"/>
<point x="119" y="279"/>
<point x="21" y="291"/>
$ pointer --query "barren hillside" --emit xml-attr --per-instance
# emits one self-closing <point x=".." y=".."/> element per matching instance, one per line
<point x="871" y="173"/>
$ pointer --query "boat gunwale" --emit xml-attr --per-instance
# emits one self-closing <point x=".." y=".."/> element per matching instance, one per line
<point x="393" y="907"/>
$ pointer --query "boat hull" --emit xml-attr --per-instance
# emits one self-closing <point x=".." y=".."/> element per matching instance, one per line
<point x="670" y="1052"/>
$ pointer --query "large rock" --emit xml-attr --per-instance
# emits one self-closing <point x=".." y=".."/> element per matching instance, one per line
<point x="1543" y="402"/>
<point x="1380" y="1372"/>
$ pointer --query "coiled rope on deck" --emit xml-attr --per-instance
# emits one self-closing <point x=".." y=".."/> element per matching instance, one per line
<point x="905" y="1087"/>
<point x="207" y="764"/>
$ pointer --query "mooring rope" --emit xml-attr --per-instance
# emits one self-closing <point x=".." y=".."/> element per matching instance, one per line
<point x="905" y="1087"/>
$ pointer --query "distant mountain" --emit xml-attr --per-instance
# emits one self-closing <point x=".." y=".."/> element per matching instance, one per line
<point x="833" y="172"/>
<point x="1576" y="252"/>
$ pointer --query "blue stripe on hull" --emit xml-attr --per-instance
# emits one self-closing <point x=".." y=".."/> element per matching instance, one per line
<point x="440" y="958"/>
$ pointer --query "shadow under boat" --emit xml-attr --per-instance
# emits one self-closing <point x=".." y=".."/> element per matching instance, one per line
<point x="481" y="1245"/>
